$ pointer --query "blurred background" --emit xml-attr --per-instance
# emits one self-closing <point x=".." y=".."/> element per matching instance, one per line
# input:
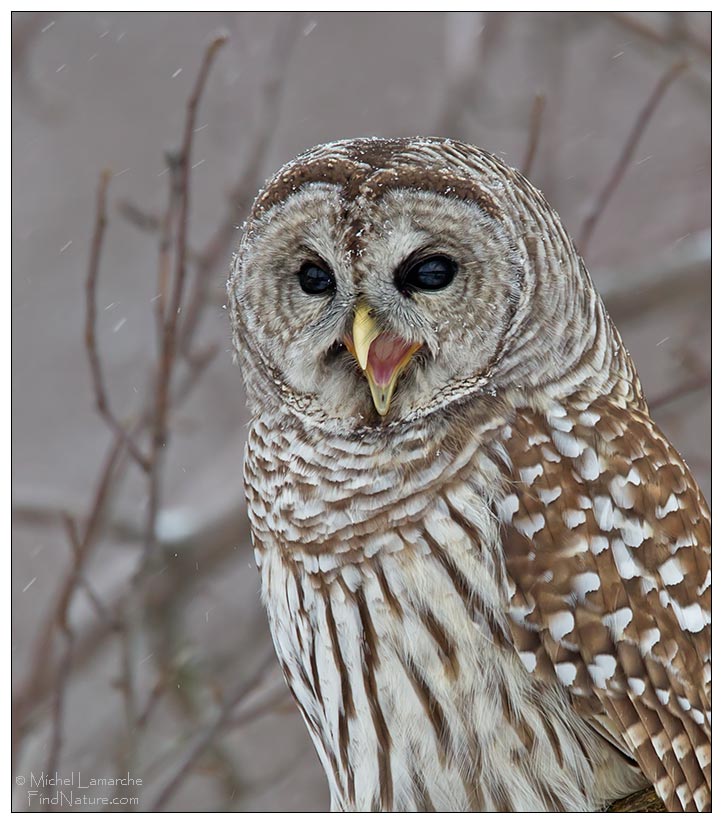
<point x="139" y="644"/>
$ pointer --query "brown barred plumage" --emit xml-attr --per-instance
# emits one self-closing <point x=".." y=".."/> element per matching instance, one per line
<point x="489" y="585"/>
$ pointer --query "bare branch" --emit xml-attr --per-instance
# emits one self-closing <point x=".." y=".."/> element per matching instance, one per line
<point x="61" y="680"/>
<point x="277" y="701"/>
<point x="214" y="254"/>
<point x="150" y="223"/>
<point x="151" y="703"/>
<point x="167" y="356"/>
<point x="681" y="390"/>
<point x="137" y="216"/>
<point x="47" y="671"/>
<point x="207" y="736"/>
<point x="56" y="723"/>
<point x="681" y="272"/>
<point x="42" y="658"/>
<point x="623" y="160"/>
<point x="91" y="343"/>
<point x="679" y="33"/>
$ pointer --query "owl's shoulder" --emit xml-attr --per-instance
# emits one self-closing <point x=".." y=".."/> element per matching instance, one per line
<point x="606" y="538"/>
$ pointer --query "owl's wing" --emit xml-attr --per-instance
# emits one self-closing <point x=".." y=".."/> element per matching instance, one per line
<point x="607" y="544"/>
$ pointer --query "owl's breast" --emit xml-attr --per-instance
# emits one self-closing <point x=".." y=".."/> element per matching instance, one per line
<point x="410" y="689"/>
<point x="386" y="592"/>
<point x="327" y="501"/>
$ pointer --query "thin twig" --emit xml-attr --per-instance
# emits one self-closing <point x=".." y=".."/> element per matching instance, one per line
<point x="57" y="714"/>
<point x="91" y="313"/>
<point x="125" y="682"/>
<point x="278" y="700"/>
<point x="681" y="390"/>
<point x="623" y="160"/>
<point x="660" y="38"/>
<point x="140" y="218"/>
<point x="207" y="736"/>
<point x="150" y="223"/>
<point x="101" y="610"/>
<point x="214" y="254"/>
<point x="42" y="658"/>
<point x="151" y="703"/>
<point x="533" y="135"/>
<point x="45" y="672"/>
<point x="61" y="681"/>
<point x="39" y="678"/>
<point x="167" y="356"/>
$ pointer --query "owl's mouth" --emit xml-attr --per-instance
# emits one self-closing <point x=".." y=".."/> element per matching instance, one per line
<point x="381" y="356"/>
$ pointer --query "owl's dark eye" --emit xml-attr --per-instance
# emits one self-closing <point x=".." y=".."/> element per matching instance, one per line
<point x="314" y="280"/>
<point x="428" y="275"/>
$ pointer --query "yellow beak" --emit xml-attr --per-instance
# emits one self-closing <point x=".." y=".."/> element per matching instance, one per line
<point x="382" y="357"/>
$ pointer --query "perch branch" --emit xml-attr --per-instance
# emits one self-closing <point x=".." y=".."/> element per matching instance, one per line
<point x="643" y="801"/>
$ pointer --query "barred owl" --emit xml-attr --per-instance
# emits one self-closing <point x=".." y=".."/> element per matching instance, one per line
<point x="486" y="570"/>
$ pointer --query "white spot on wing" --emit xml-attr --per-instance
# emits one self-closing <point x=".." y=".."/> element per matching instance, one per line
<point x="660" y="743"/>
<point x="636" y="685"/>
<point x="671" y="505"/>
<point x="602" y="668"/>
<point x="632" y="530"/>
<point x="648" y="639"/>
<point x="585" y="582"/>
<point x="683" y="793"/>
<point x="624" y="562"/>
<point x="529" y="526"/>
<point x="547" y="496"/>
<point x="633" y="477"/>
<point x="603" y="510"/>
<point x="617" y="621"/>
<point x="507" y="508"/>
<point x="567" y="445"/>
<point x="560" y="624"/>
<point x="622" y="494"/>
<point x="529" y="473"/>
<point x="560" y="424"/>
<point x="327" y="562"/>
<point x="573" y="518"/>
<point x="704" y="586"/>
<point x="692" y="617"/>
<point x="588" y="418"/>
<point x="697" y="716"/>
<point x="549" y="455"/>
<point x="529" y="660"/>
<point x="682" y="542"/>
<point x="671" y="572"/>
<point x="576" y="546"/>
<point x="589" y="466"/>
<point x="566" y="672"/>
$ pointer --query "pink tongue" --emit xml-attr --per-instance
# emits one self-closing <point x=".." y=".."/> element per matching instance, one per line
<point x="385" y="354"/>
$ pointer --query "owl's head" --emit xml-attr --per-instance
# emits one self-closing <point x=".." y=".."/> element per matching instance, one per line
<point x="379" y="279"/>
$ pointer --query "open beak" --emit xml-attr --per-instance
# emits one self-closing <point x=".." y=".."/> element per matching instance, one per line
<point x="381" y="356"/>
